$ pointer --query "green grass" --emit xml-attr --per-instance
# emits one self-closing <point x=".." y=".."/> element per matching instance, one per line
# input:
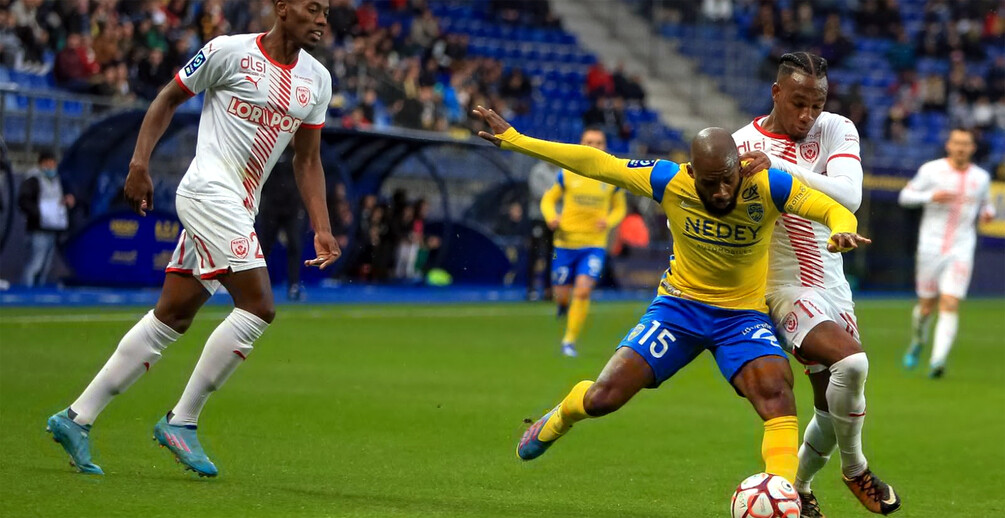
<point x="416" y="411"/>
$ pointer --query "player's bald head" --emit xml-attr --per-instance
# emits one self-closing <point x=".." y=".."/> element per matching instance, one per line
<point x="713" y="149"/>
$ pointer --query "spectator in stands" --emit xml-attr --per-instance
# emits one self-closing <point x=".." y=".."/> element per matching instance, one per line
<point x="996" y="79"/>
<point x="516" y="90"/>
<point x="151" y="74"/>
<point x="933" y="94"/>
<point x="366" y="17"/>
<point x="599" y="82"/>
<point x="26" y="22"/>
<point x="717" y="11"/>
<point x="835" y="47"/>
<point x="45" y="206"/>
<point x="877" y="18"/>
<point x="901" y="53"/>
<point x="114" y="83"/>
<point x="425" y="29"/>
<point x="75" y="64"/>
<point x="11" y="48"/>
<point x="341" y="19"/>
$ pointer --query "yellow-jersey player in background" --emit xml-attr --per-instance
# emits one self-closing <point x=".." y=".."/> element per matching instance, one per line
<point x="590" y="210"/>
<point x="711" y="297"/>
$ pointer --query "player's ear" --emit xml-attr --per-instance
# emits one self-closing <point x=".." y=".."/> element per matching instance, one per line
<point x="775" y="90"/>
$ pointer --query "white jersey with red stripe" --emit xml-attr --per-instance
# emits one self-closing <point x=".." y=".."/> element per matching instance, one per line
<point x="252" y="108"/>
<point x="799" y="255"/>
<point x="949" y="228"/>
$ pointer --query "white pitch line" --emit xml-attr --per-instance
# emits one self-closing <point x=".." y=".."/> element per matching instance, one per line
<point x="311" y="314"/>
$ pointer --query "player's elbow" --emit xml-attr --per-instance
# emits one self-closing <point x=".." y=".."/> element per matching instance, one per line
<point x="853" y="201"/>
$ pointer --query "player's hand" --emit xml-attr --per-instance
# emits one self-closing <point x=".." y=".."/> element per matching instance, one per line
<point x="752" y="162"/>
<point x="601" y="224"/>
<point x="553" y="224"/>
<point x="846" y="241"/>
<point x="496" y="123"/>
<point x="986" y="217"/>
<point x="945" y="197"/>
<point x="326" y="250"/>
<point x="139" y="188"/>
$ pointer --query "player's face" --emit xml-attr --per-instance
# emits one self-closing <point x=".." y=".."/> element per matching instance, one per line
<point x="960" y="147"/>
<point x="799" y="99"/>
<point x="717" y="185"/>
<point x="304" y="20"/>
<point x="595" y="139"/>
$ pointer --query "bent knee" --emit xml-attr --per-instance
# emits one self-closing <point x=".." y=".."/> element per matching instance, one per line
<point x="180" y="321"/>
<point x="950" y="304"/>
<point x="581" y="293"/>
<point x="852" y="370"/>
<point x="264" y="311"/>
<point x="602" y="399"/>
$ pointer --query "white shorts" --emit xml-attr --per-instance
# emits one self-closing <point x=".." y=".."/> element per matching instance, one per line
<point x="796" y="310"/>
<point x="218" y="236"/>
<point x="946" y="274"/>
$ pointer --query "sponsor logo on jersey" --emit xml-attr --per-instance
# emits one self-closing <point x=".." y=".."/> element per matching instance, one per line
<point x="251" y="64"/>
<point x="303" y="95"/>
<point x="698" y="228"/>
<point x="263" y="116"/>
<point x="195" y="63"/>
<point x="756" y="212"/>
<point x="641" y="163"/>
<point x="749" y="193"/>
<point x="810" y="151"/>
<point x="240" y="247"/>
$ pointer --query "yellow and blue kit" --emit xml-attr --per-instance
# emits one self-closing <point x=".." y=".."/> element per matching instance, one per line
<point x="712" y="295"/>
<point x="580" y="239"/>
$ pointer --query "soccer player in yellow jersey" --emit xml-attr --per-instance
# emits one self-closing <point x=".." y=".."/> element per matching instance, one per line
<point x="712" y="295"/>
<point x="590" y="209"/>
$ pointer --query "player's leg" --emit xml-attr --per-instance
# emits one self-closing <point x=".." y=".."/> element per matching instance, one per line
<point x="945" y="334"/>
<point x="766" y="382"/>
<point x="140" y="348"/>
<point x="579" y="308"/>
<point x="928" y="269"/>
<point x="656" y="348"/>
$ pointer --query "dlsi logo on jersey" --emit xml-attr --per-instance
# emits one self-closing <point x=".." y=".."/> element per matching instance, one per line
<point x="195" y="63"/>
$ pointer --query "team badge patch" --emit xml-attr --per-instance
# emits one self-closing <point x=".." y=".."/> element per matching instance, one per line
<point x="791" y="322"/>
<point x="195" y="63"/>
<point x="303" y="95"/>
<point x="809" y="151"/>
<point x="635" y="332"/>
<point x="240" y="247"/>
<point x="755" y="211"/>
<point x="634" y="164"/>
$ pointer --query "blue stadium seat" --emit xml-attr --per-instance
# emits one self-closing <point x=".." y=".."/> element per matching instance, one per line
<point x="15" y="128"/>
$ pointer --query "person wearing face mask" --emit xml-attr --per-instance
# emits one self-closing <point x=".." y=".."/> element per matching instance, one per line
<point x="45" y="207"/>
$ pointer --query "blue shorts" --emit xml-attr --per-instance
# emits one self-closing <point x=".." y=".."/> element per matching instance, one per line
<point x="569" y="263"/>
<point x="675" y="331"/>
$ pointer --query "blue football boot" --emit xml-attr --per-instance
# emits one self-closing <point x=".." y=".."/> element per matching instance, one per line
<point x="530" y="446"/>
<point x="184" y="444"/>
<point x="75" y="439"/>
<point x="912" y="356"/>
<point x="569" y="349"/>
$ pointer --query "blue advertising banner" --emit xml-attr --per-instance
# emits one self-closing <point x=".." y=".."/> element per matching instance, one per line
<point x="123" y="249"/>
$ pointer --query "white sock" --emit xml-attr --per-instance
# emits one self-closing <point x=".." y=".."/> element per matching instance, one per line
<point x="846" y="401"/>
<point x="945" y="334"/>
<point x="920" y="326"/>
<point x="139" y="349"/>
<point x="225" y="350"/>
<point x="818" y="444"/>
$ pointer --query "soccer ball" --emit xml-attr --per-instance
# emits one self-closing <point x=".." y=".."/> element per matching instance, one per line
<point x="765" y="496"/>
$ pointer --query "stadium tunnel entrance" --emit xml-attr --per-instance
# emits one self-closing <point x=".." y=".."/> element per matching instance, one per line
<point x="465" y="185"/>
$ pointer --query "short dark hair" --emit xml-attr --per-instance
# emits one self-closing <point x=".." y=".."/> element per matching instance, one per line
<point x="968" y="131"/>
<point x="594" y="127"/>
<point x="46" y="154"/>
<point x="805" y="62"/>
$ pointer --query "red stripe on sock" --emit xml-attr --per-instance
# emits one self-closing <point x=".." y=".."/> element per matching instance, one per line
<point x="243" y="357"/>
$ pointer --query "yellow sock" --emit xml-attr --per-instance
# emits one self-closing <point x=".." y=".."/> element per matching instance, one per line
<point x="578" y="310"/>
<point x="780" y="447"/>
<point x="570" y="411"/>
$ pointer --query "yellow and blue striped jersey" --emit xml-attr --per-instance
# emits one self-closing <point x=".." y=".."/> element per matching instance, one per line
<point x="585" y="204"/>
<point x="720" y="261"/>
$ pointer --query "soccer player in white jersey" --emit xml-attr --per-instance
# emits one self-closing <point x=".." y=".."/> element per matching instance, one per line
<point x="954" y="194"/>
<point x="809" y="297"/>
<point x="262" y="91"/>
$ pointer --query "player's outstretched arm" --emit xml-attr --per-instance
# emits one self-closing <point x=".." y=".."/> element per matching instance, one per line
<point x="310" y="178"/>
<point x="582" y="160"/>
<point x="619" y="208"/>
<point x="549" y="205"/>
<point x="817" y="206"/>
<point x="139" y="188"/>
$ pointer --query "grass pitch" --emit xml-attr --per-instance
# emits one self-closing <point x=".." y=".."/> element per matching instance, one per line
<point x="416" y="411"/>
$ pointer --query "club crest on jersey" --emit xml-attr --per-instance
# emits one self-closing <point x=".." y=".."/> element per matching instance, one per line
<point x="755" y="211"/>
<point x="634" y="164"/>
<point x="195" y="63"/>
<point x="810" y="151"/>
<point x="240" y="247"/>
<point x="791" y="322"/>
<point x="636" y="331"/>
<point x="303" y="95"/>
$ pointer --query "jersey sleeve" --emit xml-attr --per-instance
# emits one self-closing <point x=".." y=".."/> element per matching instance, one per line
<point x="549" y="202"/>
<point x="619" y="207"/>
<point x="208" y="68"/>
<point x="642" y="177"/>
<point x="791" y="196"/>
<point x="842" y="180"/>
<point x="919" y="190"/>
<point x="316" y="119"/>
<point x="987" y="208"/>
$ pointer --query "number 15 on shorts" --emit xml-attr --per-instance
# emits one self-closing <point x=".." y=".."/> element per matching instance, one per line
<point x="659" y="345"/>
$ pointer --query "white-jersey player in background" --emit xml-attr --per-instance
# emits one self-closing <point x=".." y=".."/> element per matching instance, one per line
<point x="262" y="91"/>
<point x="809" y="297"/>
<point x="954" y="194"/>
